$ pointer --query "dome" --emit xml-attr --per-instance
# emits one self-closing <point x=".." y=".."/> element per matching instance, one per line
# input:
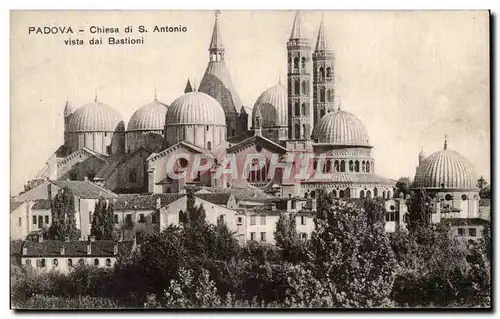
<point x="273" y="105"/>
<point x="150" y="117"/>
<point x="195" y="108"/>
<point x="95" y="117"/>
<point x="445" y="169"/>
<point x="340" y="128"/>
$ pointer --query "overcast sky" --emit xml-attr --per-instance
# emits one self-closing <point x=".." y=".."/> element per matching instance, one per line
<point x="410" y="76"/>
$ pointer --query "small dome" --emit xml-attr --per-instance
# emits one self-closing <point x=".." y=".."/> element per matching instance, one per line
<point x="341" y="128"/>
<point x="150" y="117"/>
<point x="96" y="117"/>
<point x="446" y="169"/>
<point x="273" y="105"/>
<point x="195" y="108"/>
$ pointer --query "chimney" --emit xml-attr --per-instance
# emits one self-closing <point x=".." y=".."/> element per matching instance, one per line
<point x="62" y="250"/>
<point x="25" y="250"/>
<point x="115" y="248"/>
<point x="158" y="202"/>
<point x="91" y="238"/>
<point x="89" y="249"/>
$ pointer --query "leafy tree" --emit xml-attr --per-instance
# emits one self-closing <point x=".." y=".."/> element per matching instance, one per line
<point x="102" y="225"/>
<point x="403" y="185"/>
<point x="419" y="210"/>
<point x="288" y="240"/>
<point x="484" y="188"/>
<point x="350" y="249"/>
<point x="63" y="216"/>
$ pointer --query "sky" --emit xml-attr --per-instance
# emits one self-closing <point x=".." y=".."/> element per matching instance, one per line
<point x="411" y="76"/>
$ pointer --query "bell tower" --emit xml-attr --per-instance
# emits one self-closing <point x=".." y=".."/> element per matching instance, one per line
<point x="323" y="76"/>
<point x="300" y="117"/>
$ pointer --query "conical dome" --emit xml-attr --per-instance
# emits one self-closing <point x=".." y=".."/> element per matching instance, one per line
<point x="341" y="128"/>
<point x="150" y="117"/>
<point x="273" y="106"/>
<point x="445" y="169"/>
<point x="96" y="117"/>
<point x="195" y="108"/>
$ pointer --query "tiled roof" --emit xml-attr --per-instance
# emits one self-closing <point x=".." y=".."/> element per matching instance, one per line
<point x="52" y="248"/>
<point x="144" y="201"/>
<point x="41" y="204"/>
<point x="239" y="193"/>
<point x="353" y="178"/>
<point x="14" y="205"/>
<point x="109" y="166"/>
<point x="215" y="198"/>
<point x="85" y="189"/>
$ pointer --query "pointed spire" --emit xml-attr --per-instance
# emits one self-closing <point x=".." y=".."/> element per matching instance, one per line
<point x="95" y="95"/>
<point x="188" y="88"/>
<point x="257" y="121"/>
<point x="445" y="141"/>
<point x="67" y="108"/>
<point x="216" y="42"/>
<point x="297" y="26"/>
<point x="321" y="42"/>
<point x="156" y="95"/>
<point x="338" y="103"/>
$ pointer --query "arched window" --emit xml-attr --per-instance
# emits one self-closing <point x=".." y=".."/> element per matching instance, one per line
<point x="108" y="262"/>
<point x="363" y="167"/>
<point x="296" y="63"/>
<point x="362" y="194"/>
<point x="334" y="193"/>
<point x="313" y="194"/>
<point x="383" y="194"/>
<point x="297" y="87"/>
<point x="304" y="131"/>
<point x="341" y="194"/>
<point x="342" y="166"/>
<point x="303" y="62"/>
<point x="321" y="72"/>
<point x="356" y="166"/>
<point x="304" y="87"/>
<point x="315" y="165"/>
<point x="96" y="262"/>
<point x="304" y="109"/>
<point x="351" y="166"/>
<point x="322" y="113"/>
<point x="81" y="261"/>
<point x="336" y="166"/>
<point x="389" y="194"/>
<point x="297" y="109"/>
<point x="368" y="167"/>
<point x="375" y="192"/>
<point x="297" y="130"/>
<point x="328" y="72"/>
<point x="70" y="262"/>
<point x="329" y="96"/>
<point x="181" y="216"/>
<point x="322" y="95"/>
<point x="328" y="166"/>
<point x="368" y="194"/>
<point x="209" y="145"/>
<point x="55" y="262"/>
<point x="347" y="192"/>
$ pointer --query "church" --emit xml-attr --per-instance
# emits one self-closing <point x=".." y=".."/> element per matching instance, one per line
<point x="299" y="121"/>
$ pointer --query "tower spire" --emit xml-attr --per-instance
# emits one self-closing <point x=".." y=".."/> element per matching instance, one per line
<point x="95" y="95"/>
<point x="216" y="45"/>
<point x="445" y="141"/>
<point x="297" y="26"/>
<point x="156" y="95"/>
<point x="188" y="88"/>
<point x="321" y="41"/>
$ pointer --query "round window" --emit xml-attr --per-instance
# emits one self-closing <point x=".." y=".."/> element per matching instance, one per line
<point x="448" y="197"/>
<point x="183" y="162"/>
<point x="464" y="197"/>
<point x="392" y="207"/>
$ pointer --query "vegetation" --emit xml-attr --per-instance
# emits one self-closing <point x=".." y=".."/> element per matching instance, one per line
<point x="63" y="217"/>
<point x="403" y="185"/>
<point x="102" y="225"/>
<point x="349" y="262"/>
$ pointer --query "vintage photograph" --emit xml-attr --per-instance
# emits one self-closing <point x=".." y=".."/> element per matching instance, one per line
<point x="250" y="159"/>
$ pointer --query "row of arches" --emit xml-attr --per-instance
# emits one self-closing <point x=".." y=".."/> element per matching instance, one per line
<point x="298" y="63"/>
<point x="299" y="133"/>
<point x="323" y="73"/>
<point x="357" y="166"/>
<point x="364" y="193"/>
<point x="298" y="87"/>
<point x="325" y="95"/>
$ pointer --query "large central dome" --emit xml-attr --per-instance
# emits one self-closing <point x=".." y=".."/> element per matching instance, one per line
<point x="95" y="117"/>
<point x="445" y="169"/>
<point x="341" y="128"/>
<point x="195" y="108"/>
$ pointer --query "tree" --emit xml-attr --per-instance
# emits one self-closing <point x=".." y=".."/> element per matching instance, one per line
<point x="287" y="238"/>
<point x="403" y="185"/>
<point x="102" y="225"/>
<point x="419" y="210"/>
<point x="63" y="216"/>
<point x="350" y="250"/>
<point x="484" y="188"/>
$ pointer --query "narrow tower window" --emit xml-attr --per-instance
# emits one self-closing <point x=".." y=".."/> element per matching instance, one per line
<point x="328" y="72"/>
<point x="296" y="63"/>
<point x="297" y="130"/>
<point x="297" y="109"/>
<point x="297" y="87"/>
<point x="304" y="109"/>
<point x="321" y="73"/>
<point x="303" y="62"/>
<point x="322" y="95"/>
